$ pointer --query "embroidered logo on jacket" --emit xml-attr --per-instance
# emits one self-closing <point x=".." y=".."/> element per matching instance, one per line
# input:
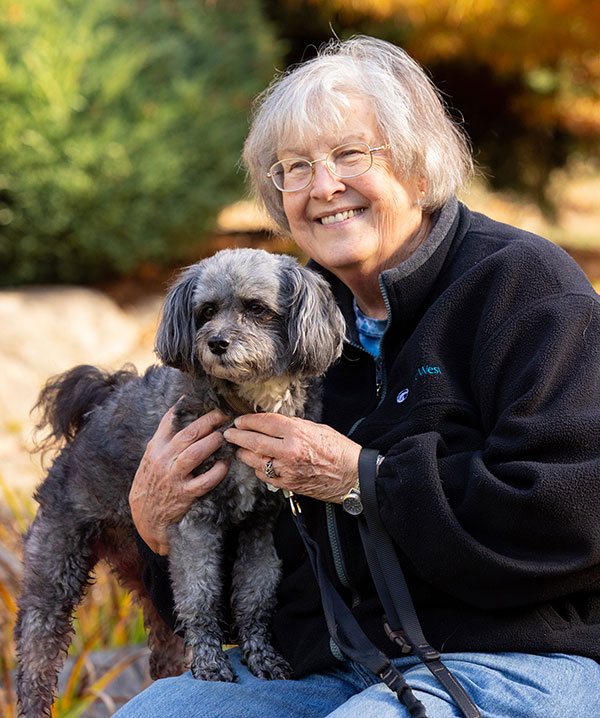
<point x="426" y="370"/>
<point x="402" y="396"/>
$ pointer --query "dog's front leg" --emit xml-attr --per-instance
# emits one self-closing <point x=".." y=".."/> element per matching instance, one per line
<point x="195" y="565"/>
<point x="255" y="578"/>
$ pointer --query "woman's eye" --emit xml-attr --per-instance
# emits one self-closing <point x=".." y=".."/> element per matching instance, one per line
<point x="350" y="155"/>
<point x="297" y="167"/>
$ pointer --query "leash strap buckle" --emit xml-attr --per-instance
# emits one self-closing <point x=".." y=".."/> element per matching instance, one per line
<point x="399" y="638"/>
<point x="294" y="504"/>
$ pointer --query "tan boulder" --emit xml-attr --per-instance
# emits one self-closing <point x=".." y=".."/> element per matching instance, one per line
<point x="46" y="330"/>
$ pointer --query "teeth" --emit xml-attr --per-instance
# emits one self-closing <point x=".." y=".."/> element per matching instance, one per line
<point x="341" y="216"/>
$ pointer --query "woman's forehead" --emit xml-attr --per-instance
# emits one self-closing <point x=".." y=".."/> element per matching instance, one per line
<point x="297" y="147"/>
<point x="328" y="128"/>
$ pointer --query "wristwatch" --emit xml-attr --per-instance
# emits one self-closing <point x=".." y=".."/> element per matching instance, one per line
<point x="351" y="501"/>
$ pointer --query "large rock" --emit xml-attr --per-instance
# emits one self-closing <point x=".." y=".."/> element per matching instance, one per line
<point x="44" y="331"/>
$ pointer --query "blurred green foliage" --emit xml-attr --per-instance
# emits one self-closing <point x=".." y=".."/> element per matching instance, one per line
<point x="121" y="126"/>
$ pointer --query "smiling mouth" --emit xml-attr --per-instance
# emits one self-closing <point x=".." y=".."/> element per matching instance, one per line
<point x="341" y="216"/>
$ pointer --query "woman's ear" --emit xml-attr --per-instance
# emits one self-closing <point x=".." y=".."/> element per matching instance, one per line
<point x="421" y="191"/>
<point x="175" y="339"/>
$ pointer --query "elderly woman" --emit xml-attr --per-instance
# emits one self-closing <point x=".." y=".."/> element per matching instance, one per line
<point x="472" y="368"/>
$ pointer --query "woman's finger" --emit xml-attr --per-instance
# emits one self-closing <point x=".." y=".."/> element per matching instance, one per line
<point x="198" y="429"/>
<point x="274" y="425"/>
<point x="195" y="453"/>
<point x="253" y="460"/>
<point x="197" y="486"/>
<point x="253" y="441"/>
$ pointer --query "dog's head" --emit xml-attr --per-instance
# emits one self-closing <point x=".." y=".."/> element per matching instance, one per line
<point x="246" y="315"/>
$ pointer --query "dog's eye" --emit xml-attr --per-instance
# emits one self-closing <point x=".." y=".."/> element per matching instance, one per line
<point x="206" y="312"/>
<point x="257" y="309"/>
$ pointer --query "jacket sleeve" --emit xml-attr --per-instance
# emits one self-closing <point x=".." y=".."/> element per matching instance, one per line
<point x="518" y="519"/>
<point x="155" y="577"/>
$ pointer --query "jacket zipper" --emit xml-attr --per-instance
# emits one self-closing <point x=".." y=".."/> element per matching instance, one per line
<point x="379" y="376"/>
<point x="340" y="569"/>
<point x="338" y="559"/>
<point x="332" y="528"/>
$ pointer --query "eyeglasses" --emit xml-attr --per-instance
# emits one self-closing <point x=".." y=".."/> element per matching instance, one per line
<point x="350" y="160"/>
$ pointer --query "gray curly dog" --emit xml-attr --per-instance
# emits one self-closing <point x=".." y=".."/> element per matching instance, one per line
<point x="244" y="330"/>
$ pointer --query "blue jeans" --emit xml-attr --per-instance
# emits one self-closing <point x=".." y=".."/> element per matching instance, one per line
<point x="503" y="685"/>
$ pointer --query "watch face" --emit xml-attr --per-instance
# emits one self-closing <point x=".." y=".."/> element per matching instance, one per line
<point x="352" y="503"/>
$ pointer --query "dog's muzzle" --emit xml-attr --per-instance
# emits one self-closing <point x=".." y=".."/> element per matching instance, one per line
<point x="218" y="345"/>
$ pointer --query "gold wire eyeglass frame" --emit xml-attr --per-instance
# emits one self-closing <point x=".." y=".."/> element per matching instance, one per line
<point x="328" y="162"/>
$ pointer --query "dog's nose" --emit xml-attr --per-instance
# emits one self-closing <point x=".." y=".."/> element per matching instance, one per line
<point x="218" y="345"/>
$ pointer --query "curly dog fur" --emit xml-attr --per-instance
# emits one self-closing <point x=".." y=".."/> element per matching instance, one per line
<point x="243" y="330"/>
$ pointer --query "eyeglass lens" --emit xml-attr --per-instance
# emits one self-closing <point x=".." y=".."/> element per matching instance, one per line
<point x="349" y="160"/>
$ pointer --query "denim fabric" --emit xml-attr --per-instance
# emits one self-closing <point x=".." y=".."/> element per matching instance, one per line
<point x="503" y="685"/>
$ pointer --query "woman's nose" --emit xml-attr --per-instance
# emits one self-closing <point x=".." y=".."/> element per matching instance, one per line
<point x="325" y="183"/>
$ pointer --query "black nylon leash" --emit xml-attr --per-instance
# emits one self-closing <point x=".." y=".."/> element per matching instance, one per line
<point x="403" y="625"/>
<point x="344" y="628"/>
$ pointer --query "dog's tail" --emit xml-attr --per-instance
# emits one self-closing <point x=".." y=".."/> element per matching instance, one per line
<point x="67" y="399"/>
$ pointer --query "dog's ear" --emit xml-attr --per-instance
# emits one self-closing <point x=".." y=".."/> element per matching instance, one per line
<point x="316" y="327"/>
<point x="175" y="339"/>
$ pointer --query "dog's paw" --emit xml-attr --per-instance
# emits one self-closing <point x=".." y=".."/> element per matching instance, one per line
<point x="268" y="664"/>
<point x="216" y="670"/>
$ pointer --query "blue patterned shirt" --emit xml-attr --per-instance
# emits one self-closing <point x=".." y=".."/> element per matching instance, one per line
<point x="370" y="331"/>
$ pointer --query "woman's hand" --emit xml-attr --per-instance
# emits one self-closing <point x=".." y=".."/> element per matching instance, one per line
<point x="309" y="459"/>
<point x="163" y="488"/>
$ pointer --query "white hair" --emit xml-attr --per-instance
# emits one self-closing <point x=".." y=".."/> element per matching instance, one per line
<point x="409" y="111"/>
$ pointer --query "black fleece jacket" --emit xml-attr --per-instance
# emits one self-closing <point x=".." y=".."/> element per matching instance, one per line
<point x="486" y="405"/>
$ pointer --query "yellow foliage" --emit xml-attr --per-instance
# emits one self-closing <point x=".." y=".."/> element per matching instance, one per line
<point x="523" y="31"/>
<point x="523" y="38"/>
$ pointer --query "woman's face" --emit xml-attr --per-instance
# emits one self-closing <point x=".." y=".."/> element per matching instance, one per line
<point x="361" y="224"/>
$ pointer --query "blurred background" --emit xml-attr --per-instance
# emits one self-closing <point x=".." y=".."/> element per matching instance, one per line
<point x="121" y="122"/>
<point x="121" y="127"/>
